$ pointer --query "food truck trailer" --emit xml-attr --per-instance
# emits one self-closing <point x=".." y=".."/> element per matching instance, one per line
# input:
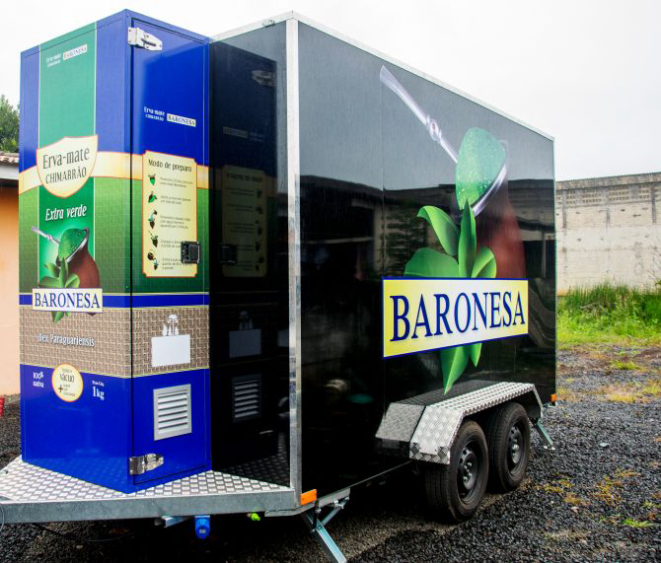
<point x="260" y="269"/>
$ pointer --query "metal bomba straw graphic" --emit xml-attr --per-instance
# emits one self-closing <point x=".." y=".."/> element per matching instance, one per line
<point x="430" y="123"/>
<point x="45" y="235"/>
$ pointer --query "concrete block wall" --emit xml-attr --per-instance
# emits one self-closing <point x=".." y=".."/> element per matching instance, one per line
<point x="609" y="230"/>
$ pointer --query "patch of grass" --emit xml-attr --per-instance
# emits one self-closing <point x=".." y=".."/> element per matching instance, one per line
<point x="559" y="486"/>
<point x="626" y="474"/>
<point x="652" y="388"/>
<point x="631" y="392"/>
<point x="636" y="523"/>
<point x="616" y="394"/>
<point x="627" y="365"/>
<point x="608" y="490"/>
<point x="575" y="500"/>
<point x="563" y="487"/>
<point x="566" y="394"/>
<point x="613" y="519"/>
<point x="610" y="314"/>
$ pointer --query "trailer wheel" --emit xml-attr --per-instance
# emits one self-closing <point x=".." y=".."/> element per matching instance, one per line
<point x="508" y="435"/>
<point x="455" y="491"/>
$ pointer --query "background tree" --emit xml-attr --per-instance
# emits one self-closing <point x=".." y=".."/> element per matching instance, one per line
<point x="8" y="126"/>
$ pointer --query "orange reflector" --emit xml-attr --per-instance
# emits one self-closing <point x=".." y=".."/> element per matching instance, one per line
<point x="310" y="496"/>
<point x="554" y="398"/>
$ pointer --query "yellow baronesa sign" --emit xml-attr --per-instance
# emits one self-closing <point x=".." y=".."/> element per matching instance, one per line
<point x="429" y="313"/>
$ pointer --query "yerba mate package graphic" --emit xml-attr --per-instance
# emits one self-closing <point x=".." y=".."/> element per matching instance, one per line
<point x="113" y="180"/>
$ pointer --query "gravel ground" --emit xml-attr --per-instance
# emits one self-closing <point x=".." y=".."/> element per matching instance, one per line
<point x="596" y="498"/>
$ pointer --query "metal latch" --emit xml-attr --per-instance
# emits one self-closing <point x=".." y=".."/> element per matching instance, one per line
<point x="142" y="463"/>
<point x="227" y="254"/>
<point x="140" y="38"/>
<point x="190" y="252"/>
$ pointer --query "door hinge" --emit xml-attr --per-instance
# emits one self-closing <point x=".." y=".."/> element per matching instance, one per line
<point x="142" y="463"/>
<point x="140" y="38"/>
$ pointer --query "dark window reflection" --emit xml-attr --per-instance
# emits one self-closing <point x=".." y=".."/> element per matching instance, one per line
<point x="249" y="264"/>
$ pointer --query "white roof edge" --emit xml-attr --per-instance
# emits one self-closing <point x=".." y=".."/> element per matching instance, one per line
<point x="8" y="171"/>
<point x="320" y="27"/>
<point x="256" y="25"/>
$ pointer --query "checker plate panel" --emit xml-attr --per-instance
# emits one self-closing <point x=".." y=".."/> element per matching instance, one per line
<point x="430" y="430"/>
<point x="439" y="424"/>
<point x="23" y="482"/>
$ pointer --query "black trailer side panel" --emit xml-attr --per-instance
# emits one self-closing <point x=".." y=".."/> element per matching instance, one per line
<point x="367" y="166"/>
<point x="249" y="261"/>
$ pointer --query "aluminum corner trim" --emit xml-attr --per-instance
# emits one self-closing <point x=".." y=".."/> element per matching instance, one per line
<point x="294" y="252"/>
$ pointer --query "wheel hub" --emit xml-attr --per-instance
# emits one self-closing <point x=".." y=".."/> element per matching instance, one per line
<point x="515" y="446"/>
<point x="468" y="471"/>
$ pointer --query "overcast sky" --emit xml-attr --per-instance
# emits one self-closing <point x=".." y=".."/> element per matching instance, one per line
<point x="586" y="72"/>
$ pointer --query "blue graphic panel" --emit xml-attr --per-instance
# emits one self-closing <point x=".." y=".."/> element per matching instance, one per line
<point x="93" y="436"/>
<point x="112" y="89"/>
<point x="169" y="115"/>
<point x="184" y="454"/>
<point x="168" y="85"/>
<point x="29" y="122"/>
<point x="88" y="438"/>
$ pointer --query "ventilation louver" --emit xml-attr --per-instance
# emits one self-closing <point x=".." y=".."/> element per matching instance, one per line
<point x="246" y="397"/>
<point x="172" y="412"/>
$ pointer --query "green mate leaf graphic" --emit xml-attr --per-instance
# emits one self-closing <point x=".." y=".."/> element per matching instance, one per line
<point x="73" y="281"/>
<point x="70" y="242"/>
<point x="49" y="283"/>
<point x="444" y="227"/>
<point x="64" y="273"/>
<point x="53" y="269"/>
<point x="428" y="263"/>
<point x="453" y="362"/>
<point x="484" y="265"/>
<point x="467" y="243"/>
<point x="60" y="280"/>
<point x="475" y="350"/>
<point x="480" y="160"/>
<point x="470" y="263"/>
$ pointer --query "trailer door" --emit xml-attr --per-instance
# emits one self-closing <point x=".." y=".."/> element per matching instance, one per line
<point x="169" y="229"/>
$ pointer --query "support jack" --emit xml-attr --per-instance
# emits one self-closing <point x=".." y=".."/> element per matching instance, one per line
<point x="548" y="443"/>
<point x="317" y="526"/>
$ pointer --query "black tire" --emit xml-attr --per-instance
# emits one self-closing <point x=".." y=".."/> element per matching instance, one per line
<point x="508" y="436"/>
<point x="455" y="491"/>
